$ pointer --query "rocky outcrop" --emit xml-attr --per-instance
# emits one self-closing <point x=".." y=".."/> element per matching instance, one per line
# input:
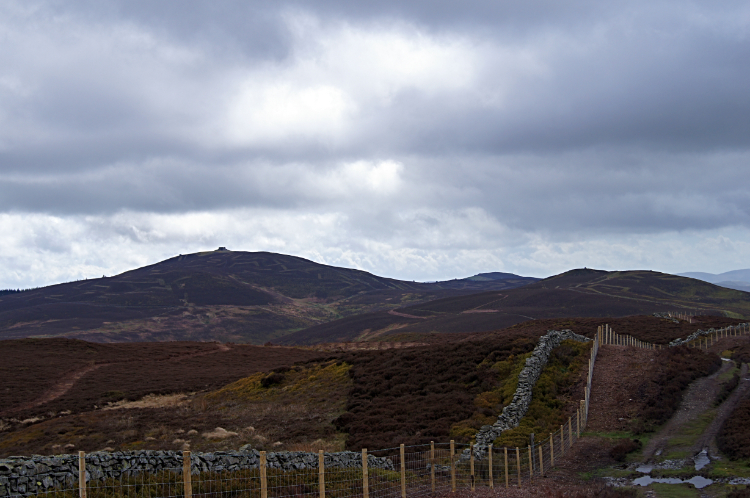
<point x="666" y="316"/>
<point x="24" y="476"/>
<point x="514" y="412"/>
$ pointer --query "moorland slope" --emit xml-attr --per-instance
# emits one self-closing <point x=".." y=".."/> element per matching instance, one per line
<point x="217" y="295"/>
<point x="153" y="395"/>
<point x="576" y="293"/>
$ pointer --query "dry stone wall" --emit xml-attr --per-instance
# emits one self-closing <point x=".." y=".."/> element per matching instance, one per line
<point x="514" y="412"/>
<point x="24" y="476"/>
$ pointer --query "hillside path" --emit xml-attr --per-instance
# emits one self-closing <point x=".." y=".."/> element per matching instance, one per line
<point x="66" y="383"/>
<point x="406" y="315"/>
<point x="59" y="389"/>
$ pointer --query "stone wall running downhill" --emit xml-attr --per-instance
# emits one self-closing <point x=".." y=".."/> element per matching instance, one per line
<point x="514" y="412"/>
<point x="698" y="333"/>
<point x="24" y="476"/>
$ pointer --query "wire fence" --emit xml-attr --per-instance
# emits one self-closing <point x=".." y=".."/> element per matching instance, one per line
<point x="708" y="340"/>
<point x="416" y="471"/>
<point x="608" y="336"/>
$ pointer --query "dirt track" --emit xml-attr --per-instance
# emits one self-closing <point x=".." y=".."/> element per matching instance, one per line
<point x="708" y="439"/>
<point x="698" y="399"/>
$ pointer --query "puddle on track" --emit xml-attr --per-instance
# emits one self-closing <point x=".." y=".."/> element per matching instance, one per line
<point x="701" y="460"/>
<point x="698" y="481"/>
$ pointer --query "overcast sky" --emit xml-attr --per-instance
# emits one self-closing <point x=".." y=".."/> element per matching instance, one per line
<point x="421" y="140"/>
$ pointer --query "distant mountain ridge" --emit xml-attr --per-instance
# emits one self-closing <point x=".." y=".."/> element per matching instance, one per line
<point x="734" y="279"/>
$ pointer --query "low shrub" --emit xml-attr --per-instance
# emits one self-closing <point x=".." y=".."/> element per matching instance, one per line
<point x="415" y="395"/>
<point x="742" y="354"/>
<point x="272" y="379"/>
<point x="727" y="388"/>
<point x="734" y="435"/>
<point x="623" y="448"/>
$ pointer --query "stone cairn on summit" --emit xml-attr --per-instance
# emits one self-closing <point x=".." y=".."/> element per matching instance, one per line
<point x="514" y="412"/>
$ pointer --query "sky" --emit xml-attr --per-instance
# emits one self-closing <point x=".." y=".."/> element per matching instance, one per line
<point x="419" y="140"/>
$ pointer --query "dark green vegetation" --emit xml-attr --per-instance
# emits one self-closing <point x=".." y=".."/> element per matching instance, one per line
<point x="450" y="390"/>
<point x="734" y="436"/>
<point x="217" y="295"/>
<point x="662" y="393"/>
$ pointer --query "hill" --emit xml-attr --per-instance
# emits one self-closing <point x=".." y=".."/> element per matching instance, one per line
<point x="576" y="293"/>
<point x="221" y="295"/>
<point x="735" y="279"/>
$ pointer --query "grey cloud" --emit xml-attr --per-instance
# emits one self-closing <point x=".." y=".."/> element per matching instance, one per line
<point x="576" y="118"/>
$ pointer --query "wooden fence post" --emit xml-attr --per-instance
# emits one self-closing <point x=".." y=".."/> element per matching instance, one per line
<point x="403" y="471"/>
<point x="263" y="477"/>
<point x="432" y="464"/>
<point x="366" y="476"/>
<point x="453" y="467"/>
<point x="570" y="432"/>
<point x="531" y="463"/>
<point x="471" y="464"/>
<point x="506" y="466"/>
<point x="81" y="474"/>
<point x="541" y="461"/>
<point x="187" y="476"/>
<point x="489" y="463"/>
<point x="321" y="473"/>
<point x="562" y="439"/>
<point x="551" y="451"/>
<point x="518" y="464"/>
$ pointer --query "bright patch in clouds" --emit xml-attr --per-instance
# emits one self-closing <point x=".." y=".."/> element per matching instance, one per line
<point x="272" y="113"/>
<point x="336" y="76"/>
